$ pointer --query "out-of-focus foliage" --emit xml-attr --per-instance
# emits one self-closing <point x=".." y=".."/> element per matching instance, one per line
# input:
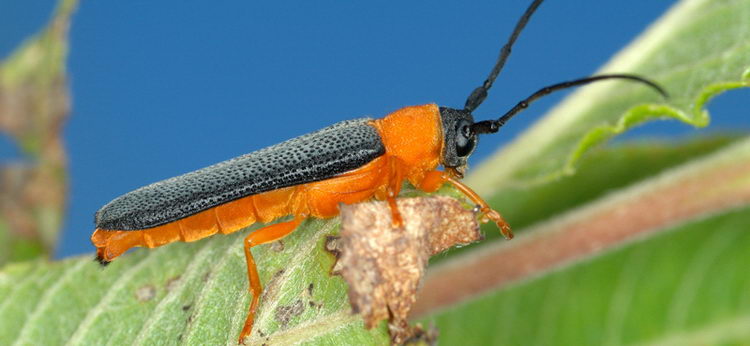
<point x="686" y="286"/>
<point x="34" y="103"/>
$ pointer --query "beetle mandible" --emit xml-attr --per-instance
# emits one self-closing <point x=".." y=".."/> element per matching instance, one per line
<point x="309" y="176"/>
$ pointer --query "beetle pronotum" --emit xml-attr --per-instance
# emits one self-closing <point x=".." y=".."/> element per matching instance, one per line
<point x="309" y="176"/>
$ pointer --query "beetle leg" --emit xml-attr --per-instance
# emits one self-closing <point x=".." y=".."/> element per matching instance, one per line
<point x="397" y="221"/>
<point x="434" y="179"/>
<point x="393" y="189"/>
<point x="488" y="214"/>
<point x="264" y="235"/>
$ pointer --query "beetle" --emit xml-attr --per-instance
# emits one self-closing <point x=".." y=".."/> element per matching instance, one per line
<point x="309" y="176"/>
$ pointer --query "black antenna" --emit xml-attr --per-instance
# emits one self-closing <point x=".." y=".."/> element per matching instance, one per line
<point x="480" y="93"/>
<point x="491" y="126"/>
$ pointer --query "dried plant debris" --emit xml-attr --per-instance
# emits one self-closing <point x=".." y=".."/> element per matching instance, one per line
<point x="384" y="265"/>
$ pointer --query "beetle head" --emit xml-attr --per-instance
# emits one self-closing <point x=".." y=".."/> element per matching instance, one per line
<point x="459" y="140"/>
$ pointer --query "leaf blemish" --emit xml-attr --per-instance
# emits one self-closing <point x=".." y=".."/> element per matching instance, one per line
<point x="286" y="313"/>
<point x="189" y="320"/>
<point x="273" y="285"/>
<point x="172" y="283"/>
<point x="187" y="307"/>
<point x="145" y="293"/>
<point x="333" y="246"/>
<point x="277" y="246"/>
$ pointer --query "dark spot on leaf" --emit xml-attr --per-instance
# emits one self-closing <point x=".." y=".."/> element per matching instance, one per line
<point x="286" y="313"/>
<point x="189" y="320"/>
<point x="277" y="246"/>
<point x="310" y="289"/>
<point x="333" y="246"/>
<point x="186" y="307"/>
<point x="145" y="293"/>
<point x="272" y="286"/>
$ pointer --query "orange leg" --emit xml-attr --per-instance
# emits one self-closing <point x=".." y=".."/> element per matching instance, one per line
<point x="397" y="221"/>
<point x="394" y="188"/>
<point x="264" y="235"/>
<point x="433" y="180"/>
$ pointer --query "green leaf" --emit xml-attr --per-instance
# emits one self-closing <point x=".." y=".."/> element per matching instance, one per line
<point x="192" y="293"/>
<point x="685" y="286"/>
<point x="34" y="103"/>
<point x="696" y="51"/>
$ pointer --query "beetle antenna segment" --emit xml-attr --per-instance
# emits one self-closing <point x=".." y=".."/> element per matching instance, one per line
<point x="480" y="93"/>
<point x="491" y="126"/>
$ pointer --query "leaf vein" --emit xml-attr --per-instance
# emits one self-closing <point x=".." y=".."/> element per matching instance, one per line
<point x="47" y="299"/>
<point x="114" y="289"/>
<point x="188" y="275"/>
<point x="208" y="286"/>
<point x="309" y="245"/>
<point x="693" y="278"/>
<point x="18" y="286"/>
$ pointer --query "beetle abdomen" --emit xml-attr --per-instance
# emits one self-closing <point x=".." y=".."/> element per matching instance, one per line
<point x="312" y="157"/>
<point x="317" y="199"/>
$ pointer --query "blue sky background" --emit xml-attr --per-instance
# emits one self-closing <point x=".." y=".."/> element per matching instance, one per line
<point x="163" y="88"/>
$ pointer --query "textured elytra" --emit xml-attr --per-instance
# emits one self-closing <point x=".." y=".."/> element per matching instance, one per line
<point x="316" y="156"/>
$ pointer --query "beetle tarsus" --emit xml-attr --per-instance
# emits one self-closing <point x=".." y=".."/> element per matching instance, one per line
<point x="487" y="214"/>
<point x="492" y="215"/>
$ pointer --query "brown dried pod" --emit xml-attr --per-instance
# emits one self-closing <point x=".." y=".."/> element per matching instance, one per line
<point x="384" y="265"/>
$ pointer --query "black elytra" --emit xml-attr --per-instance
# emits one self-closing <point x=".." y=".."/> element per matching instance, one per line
<point x="316" y="156"/>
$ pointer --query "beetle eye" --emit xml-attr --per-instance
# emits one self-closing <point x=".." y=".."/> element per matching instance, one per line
<point x="465" y="140"/>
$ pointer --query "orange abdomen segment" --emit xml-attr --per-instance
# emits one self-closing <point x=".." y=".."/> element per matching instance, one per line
<point x="226" y="218"/>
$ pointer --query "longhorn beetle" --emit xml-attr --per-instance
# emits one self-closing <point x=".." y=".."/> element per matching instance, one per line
<point x="309" y="176"/>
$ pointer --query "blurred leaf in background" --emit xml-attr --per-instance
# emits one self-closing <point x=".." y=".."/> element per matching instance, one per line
<point x="34" y="104"/>
<point x="647" y="243"/>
